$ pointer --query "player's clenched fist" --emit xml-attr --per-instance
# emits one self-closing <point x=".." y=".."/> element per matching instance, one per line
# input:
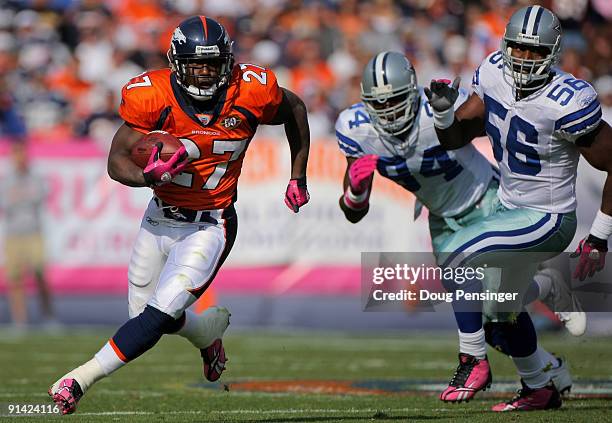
<point x="297" y="194"/>
<point x="158" y="172"/>
<point x="360" y="172"/>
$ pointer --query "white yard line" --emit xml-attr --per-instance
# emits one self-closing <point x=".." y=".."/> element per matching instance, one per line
<point x="273" y="411"/>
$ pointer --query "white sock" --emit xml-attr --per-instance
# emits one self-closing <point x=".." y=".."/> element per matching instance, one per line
<point x="531" y="370"/>
<point x="109" y="358"/>
<point x="192" y="329"/>
<point x="86" y="375"/>
<point x="544" y="283"/>
<point x="101" y="365"/>
<point x="549" y="360"/>
<point x="473" y="343"/>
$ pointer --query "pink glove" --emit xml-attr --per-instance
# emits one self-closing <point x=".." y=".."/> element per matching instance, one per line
<point x="360" y="172"/>
<point x="592" y="256"/>
<point x="158" y="172"/>
<point x="297" y="194"/>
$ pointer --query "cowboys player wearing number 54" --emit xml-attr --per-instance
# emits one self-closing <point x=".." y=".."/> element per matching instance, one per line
<point x="391" y="132"/>
<point x="214" y="107"/>
<point x="539" y="120"/>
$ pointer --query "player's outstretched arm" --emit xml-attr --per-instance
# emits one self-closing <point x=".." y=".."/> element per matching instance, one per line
<point x="455" y="128"/>
<point x="357" y="185"/>
<point x="292" y="113"/>
<point x="120" y="166"/>
<point x="596" y="147"/>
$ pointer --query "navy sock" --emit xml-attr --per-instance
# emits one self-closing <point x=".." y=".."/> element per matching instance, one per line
<point x="141" y="333"/>
<point x="516" y="339"/>
<point x="468" y="314"/>
<point x="495" y="337"/>
<point x="522" y="337"/>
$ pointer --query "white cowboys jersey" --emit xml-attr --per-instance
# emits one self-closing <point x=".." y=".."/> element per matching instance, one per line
<point x="446" y="182"/>
<point x="533" y="139"/>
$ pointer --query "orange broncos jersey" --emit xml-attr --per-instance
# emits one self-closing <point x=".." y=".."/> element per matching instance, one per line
<point x="216" y="142"/>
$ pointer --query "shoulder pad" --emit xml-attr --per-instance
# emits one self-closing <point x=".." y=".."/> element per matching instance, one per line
<point x="259" y="91"/>
<point x="351" y="125"/>
<point x="143" y="99"/>
<point x="482" y="75"/>
<point x="579" y="108"/>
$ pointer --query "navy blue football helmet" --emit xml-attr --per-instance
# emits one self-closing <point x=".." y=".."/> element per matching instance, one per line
<point x="201" y="56"/>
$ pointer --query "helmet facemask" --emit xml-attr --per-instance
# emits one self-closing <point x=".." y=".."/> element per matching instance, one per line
<point x="392" y="110"/>
<point x="527" y="75"/>
<point x="191" y="75"/>
<point x="537" y="30"/>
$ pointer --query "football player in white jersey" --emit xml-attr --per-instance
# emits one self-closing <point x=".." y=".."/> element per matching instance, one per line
<point x="392" y="132"/>
<point x="539" y="120"/>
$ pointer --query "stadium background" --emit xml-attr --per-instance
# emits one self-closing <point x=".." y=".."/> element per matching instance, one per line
<point x="300" y="347"/>
<point x="62" y="64"/>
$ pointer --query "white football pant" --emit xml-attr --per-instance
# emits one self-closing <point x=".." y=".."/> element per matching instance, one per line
<point x="173" y="262"/>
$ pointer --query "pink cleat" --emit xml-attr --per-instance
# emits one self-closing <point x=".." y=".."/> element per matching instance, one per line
<point x="67" y="395"/>
<point x="529" y="399"/>
<point x="472" y="375"/>
<point x="214" y="360"/>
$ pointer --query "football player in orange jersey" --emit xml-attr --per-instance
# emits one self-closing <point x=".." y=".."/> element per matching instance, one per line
<point x="214" y="107"/>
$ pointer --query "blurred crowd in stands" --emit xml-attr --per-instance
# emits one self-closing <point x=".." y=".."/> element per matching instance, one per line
<point x="63" y="62"/>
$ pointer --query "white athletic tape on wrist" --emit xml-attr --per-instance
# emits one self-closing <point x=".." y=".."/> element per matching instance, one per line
<point x="444" y="119"/>
<point x="357" y="198"/>
<point x="602" y="226"/>
<point x="356" y="201"/>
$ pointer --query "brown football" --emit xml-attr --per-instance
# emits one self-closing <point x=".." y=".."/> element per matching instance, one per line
<point x="141" y="151"/>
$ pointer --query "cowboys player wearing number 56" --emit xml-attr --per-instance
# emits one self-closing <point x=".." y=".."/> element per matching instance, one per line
<point x="539" y="120"/>
<point x="214" y="107"/>
<point x="392" y="132"/>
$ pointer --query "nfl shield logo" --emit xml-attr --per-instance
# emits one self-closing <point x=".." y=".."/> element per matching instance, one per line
<point x="204" y="119"/>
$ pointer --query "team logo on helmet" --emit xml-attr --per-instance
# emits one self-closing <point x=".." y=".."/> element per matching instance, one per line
<point x="178" y="36"/>
<point x="200" y="38"/>
<point x="231" y="122"/>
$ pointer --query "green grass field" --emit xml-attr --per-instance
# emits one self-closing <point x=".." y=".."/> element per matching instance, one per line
<point x="312" y="377"/>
